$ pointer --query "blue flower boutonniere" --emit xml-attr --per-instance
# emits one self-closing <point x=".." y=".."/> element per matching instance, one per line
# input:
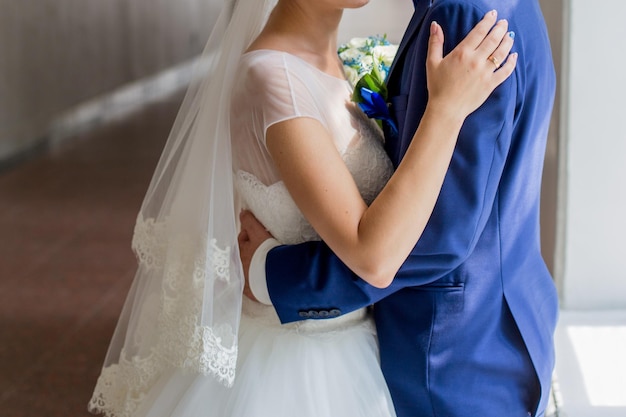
<point x="366" y="62"/>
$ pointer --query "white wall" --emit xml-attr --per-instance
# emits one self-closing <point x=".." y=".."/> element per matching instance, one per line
<point x="594" y="247"/>
<point x="55" y="54"/>
<point x="379" y="17"/>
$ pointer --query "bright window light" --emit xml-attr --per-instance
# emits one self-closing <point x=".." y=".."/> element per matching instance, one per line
<point x="601" y="355"/>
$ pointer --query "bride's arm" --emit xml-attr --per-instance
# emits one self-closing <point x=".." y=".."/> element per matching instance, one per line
<point x="374" y="241"/>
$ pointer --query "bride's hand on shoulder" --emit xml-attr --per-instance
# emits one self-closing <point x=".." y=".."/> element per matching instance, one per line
<point x="462" y="80"/>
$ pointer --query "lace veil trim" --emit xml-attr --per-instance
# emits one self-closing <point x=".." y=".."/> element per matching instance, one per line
<point x="179" y="340"/>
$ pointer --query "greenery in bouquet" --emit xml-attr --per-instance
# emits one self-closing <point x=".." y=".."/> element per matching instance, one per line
<point x="366" y="63"/>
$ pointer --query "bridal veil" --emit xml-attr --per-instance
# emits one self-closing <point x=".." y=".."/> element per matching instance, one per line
<point x="183" y="308"/>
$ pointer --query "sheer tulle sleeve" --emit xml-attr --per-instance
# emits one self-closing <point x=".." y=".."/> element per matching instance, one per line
<point x="271" y="87"/>
<point x="276" y="88"/>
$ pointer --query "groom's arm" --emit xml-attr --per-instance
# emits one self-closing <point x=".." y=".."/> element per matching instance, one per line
<point x="468" y="197"/>
<point x="308" y="279"/>
<point x="323" y="264"/>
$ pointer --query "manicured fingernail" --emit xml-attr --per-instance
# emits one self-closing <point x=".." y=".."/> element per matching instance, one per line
<point x="512" y="35"/>
<point x="493" y="13"/>
<point x="433" y="27"/>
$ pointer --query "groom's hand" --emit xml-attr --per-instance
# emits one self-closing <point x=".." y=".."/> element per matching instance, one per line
<point x="252" y="235"/>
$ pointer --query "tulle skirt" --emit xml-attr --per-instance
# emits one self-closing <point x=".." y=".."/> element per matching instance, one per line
<point x="320" y="368"/>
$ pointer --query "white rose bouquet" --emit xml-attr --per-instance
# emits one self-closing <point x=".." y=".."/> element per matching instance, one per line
<point x="366" y="62"/>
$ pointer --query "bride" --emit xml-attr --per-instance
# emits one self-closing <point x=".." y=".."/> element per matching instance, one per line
<point x="275" y="112"/>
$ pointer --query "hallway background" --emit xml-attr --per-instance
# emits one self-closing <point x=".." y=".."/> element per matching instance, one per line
<point x="88" y="92"/>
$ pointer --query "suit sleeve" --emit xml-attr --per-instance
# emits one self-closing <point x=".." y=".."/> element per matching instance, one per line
<point x="310" y="277"/>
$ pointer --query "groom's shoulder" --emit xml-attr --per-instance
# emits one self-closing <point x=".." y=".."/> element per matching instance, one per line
<point x="461" y="15"/>
<point x="458" y="16"/>
<point x="477" y="6"/>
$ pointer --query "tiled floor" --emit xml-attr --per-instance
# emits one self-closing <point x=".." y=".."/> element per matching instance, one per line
<point x="66" y="221"/>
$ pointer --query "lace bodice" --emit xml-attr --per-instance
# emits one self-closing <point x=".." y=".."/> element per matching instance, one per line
<point x="274" y="207"/>
<point x="318" y="95"/>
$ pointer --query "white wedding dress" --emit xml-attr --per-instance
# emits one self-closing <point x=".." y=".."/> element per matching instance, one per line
<point x="313" y="368"/>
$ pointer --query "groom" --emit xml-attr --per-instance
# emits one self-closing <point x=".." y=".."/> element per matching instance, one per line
<point x="466" y="328"/>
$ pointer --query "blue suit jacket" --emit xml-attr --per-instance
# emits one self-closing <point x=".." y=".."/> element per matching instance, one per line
<point x="466" y="328"/>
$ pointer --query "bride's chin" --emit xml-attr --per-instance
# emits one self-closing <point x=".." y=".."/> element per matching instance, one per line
<point x="356" y="4"/>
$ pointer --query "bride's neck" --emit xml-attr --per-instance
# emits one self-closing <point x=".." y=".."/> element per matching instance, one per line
<point x="306" y="27"/>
